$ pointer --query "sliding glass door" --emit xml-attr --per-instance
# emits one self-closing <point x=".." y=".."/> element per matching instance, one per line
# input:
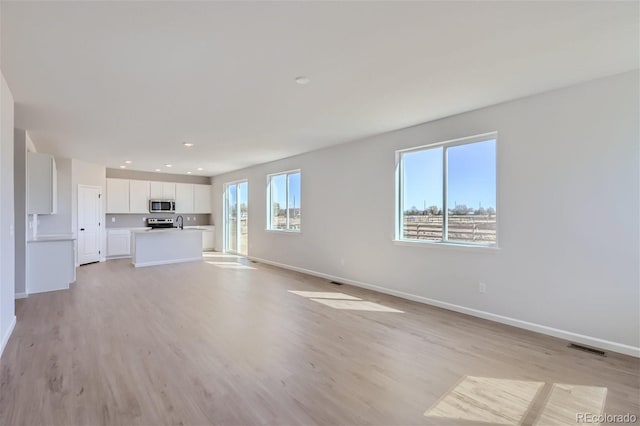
<point x="236" y="229"/>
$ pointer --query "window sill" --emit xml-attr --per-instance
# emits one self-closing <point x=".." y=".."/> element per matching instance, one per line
<point x="284" y="231"/>
<point x="448" y="246"/>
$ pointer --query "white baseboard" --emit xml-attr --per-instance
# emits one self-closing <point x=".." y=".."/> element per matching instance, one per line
<point x="21" y="296"/>
<point x="46" y="290"/>
<point x="167" y="262"/>
<point x="539" y="328"/>
<point x="6" y="336"/>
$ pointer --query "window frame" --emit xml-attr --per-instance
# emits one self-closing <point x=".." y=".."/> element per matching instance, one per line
<point x="269" y="223"/>
<point x="399" y="198"/>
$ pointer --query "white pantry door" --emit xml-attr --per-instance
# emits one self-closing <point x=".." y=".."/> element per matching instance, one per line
<point x="89" y="224"/>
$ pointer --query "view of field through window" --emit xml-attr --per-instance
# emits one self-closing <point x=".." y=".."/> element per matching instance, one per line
<point x="284" y="193"/>
<point x="470" y="193"/>
<point x="236" y="227"/>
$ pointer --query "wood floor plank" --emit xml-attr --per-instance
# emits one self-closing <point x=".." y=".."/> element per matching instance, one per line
<point x="200" y="343"/>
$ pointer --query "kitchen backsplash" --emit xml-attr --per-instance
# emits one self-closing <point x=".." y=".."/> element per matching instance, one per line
<point x="138" y="220"/>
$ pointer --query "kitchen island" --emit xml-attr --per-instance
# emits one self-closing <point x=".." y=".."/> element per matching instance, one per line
<point x="163" y="246"/>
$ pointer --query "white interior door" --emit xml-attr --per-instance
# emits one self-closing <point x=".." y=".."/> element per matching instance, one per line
<point x="89" y="224"/>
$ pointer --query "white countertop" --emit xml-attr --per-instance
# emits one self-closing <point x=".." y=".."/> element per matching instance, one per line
<point x="51" y="237"/>
<point x="147" y="228"/>
<point x="164" y="230"/>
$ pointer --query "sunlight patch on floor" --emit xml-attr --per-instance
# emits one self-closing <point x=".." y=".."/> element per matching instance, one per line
<point x="487" y="400"/>
<point x="230" y="265"/>
<point x="216" y="255"/>
<point x="324" y="295"/>
<point x="356" y="305"/>
<point x="566" y="401"/>
<point x="343" y="301"/>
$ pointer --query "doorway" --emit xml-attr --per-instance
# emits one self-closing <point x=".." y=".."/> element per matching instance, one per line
<point x="89" y="224"/>
<point x="236" y="217"/>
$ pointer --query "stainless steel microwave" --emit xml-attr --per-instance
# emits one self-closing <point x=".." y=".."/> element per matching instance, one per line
<point x="162" y="206"/>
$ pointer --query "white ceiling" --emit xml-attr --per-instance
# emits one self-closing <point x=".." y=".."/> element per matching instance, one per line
<point x="112" y="81"/>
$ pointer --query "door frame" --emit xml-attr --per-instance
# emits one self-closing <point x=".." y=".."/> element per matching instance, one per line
<point x="225" y="206"/>
<point x="101" y="222"/>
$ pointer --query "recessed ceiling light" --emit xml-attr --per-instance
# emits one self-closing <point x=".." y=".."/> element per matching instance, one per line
<point x="302" y="80"/>
<point x="157" y="170"/>
<point x="168" y="165"/>
<point x="187" y="144"/>
<point x="199" y="169"/>
<point x="188" y="173"/>
<point x="128" y="161"/>
<point x="123" y="167"/>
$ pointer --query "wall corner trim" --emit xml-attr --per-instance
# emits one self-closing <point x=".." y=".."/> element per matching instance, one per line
<point x="21" y="295"/>
<point x="538" y="328"/>
<point x="5" y="338"/>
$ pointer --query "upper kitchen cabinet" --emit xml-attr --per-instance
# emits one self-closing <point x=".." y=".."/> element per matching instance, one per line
<point x="42" y="184"/>
<point x="139" y="196"/>
<point x="202" y="199"/>
<point x="162" y="191"/>
<point x="118" y="196"/>
<point x="184" y="198"/>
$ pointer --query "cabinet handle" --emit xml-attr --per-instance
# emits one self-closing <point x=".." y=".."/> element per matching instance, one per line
<point x="82" y="229"/>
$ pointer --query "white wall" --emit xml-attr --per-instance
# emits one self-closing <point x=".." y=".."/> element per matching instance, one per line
<point x="7" y="247"/>
<point x="83" y="173"/>
<point x="20" y="209"/>
<point x="569" y="269"/>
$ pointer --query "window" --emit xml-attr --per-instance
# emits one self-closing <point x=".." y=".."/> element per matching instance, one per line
<point x="447" y="192"/>
<point x="283" y="195"/>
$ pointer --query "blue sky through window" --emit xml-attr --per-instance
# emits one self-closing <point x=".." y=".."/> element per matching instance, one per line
<point x="471" y="176"/>
<point x="294" y="190"/>
<point x="279" y="190"/>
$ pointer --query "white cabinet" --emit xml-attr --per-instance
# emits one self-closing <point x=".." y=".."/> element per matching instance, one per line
<point x="208" y="238"/>
<point x="118" y="242"/>
<point x="193" y="198"/>
<point x="117" y="195"/>
<point x="42" y="184"/>
<point x="50" y="264"/>
<point x="162" y="191"/>
<point x="132" y="196"/>
<point x="202" y="199"/>
<point x="184" y="198"/>
<point x="138" y="196"/>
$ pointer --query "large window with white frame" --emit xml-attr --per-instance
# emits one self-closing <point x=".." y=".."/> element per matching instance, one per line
<point x="283" y="201"/>
<point x="446" y="192"/>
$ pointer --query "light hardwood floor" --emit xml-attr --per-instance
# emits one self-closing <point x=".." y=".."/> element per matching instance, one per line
<point x="217" y="343"/>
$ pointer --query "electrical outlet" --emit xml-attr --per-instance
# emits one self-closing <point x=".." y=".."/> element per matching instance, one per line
<point x="144" y="218"/>
<point x="482" y="287"/>
<point x="113" y="219"/>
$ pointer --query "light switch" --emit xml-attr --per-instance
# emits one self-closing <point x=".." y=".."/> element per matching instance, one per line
<point x="113" y="219"/>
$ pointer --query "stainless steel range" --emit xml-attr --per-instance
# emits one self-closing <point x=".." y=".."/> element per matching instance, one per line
<point x="154" y="222"/>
